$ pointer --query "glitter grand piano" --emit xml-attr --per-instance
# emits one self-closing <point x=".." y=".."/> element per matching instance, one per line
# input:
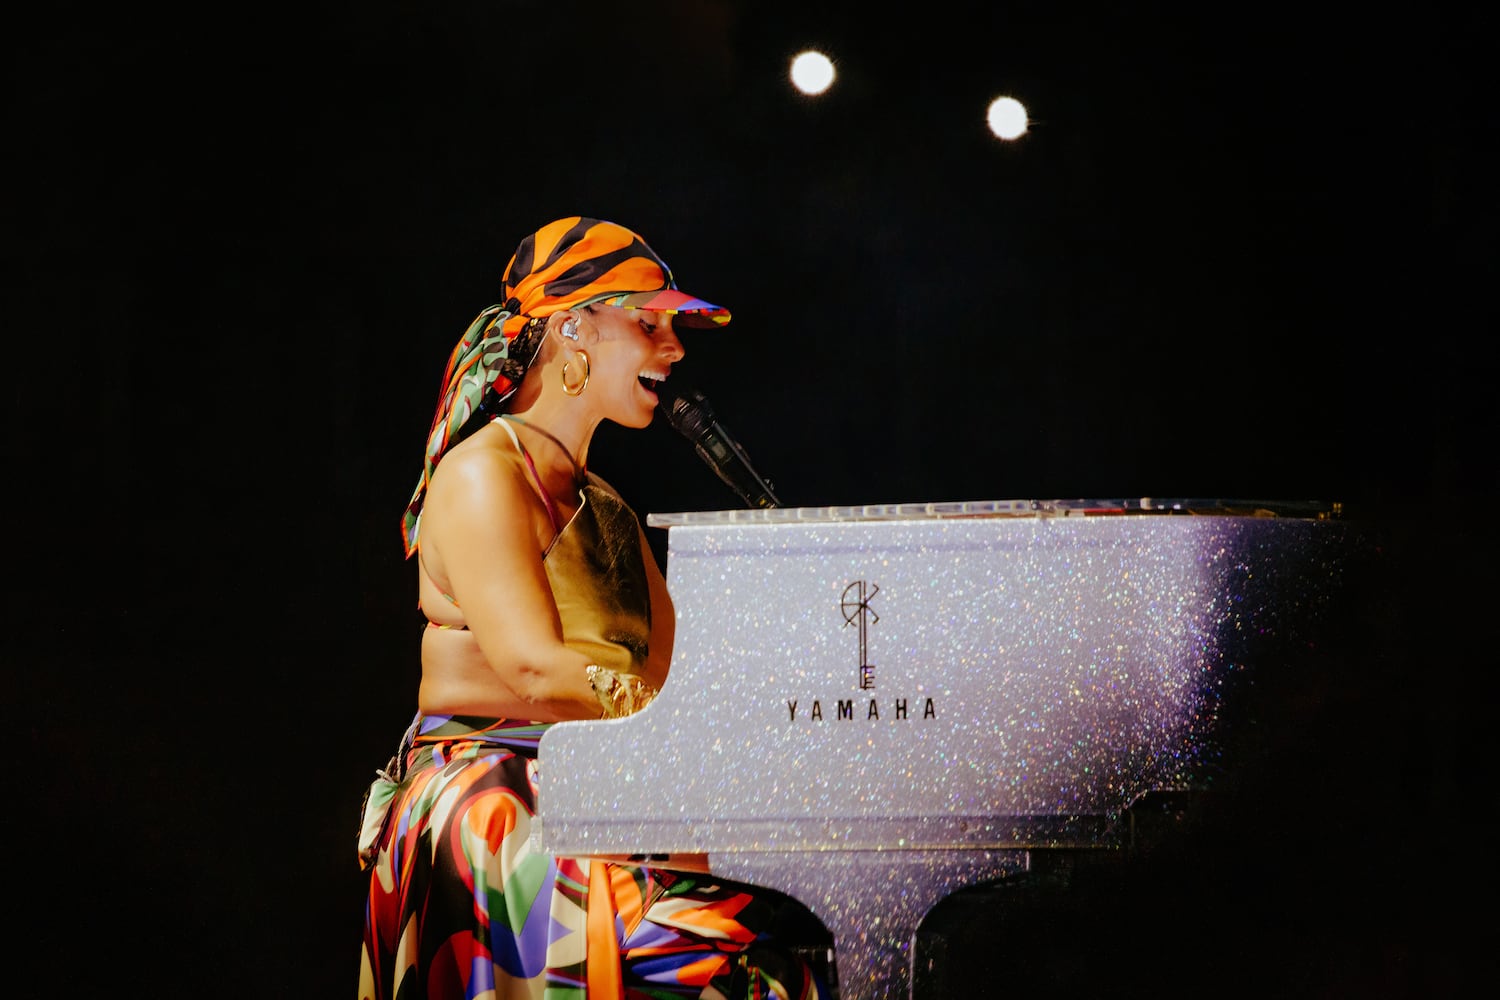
<point x="871" y="708"/>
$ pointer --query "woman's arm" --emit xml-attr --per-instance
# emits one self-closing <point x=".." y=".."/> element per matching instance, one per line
<point x="663" y="619"/>
<point x="484" y="526"/>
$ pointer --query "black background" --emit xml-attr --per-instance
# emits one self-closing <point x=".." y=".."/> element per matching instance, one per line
<point x="1242" y="252"/>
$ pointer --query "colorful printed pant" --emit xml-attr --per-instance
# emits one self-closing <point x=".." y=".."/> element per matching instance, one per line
<point x="460" y="907"/>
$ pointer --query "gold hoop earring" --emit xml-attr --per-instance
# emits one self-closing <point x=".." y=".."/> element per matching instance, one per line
<point x="576" y="388"/>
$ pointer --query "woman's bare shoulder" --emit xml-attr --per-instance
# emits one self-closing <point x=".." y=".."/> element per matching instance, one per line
<point x="477" y="477"/>
<point x="484" y="458"/>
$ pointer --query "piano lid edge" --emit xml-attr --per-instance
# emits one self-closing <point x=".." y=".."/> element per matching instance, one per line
<point x="1305" y="509"/>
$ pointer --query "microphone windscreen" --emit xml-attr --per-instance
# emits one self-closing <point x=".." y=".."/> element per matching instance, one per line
<point x="688" y="413"/>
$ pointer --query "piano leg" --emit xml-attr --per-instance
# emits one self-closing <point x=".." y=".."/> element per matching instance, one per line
<point x="871" y="901"/>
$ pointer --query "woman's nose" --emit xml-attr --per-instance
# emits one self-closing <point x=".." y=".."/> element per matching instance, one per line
<point x="671" y="347"/>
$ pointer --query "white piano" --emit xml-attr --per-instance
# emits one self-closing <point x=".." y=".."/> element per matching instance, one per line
<point x="873" y="707"/>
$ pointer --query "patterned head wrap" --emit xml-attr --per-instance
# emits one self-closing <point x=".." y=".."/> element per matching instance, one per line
<point x="568" y="263"/>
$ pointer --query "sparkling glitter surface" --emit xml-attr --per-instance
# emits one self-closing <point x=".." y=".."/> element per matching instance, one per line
<point x="927" y="698"/>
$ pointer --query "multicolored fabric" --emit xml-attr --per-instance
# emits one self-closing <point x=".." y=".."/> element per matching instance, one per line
<point x="461" y="907"/>
<point x="568" y="263"/>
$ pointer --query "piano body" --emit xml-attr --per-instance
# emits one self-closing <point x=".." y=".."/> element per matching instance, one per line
<point x="871" y="708"/>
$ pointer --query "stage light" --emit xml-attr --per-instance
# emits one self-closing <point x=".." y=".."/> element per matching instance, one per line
<point x="812" y="72"/>
<point x="1007" y="118"/>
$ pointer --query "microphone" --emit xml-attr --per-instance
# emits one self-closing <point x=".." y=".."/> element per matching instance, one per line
<point x="694" y="419"/>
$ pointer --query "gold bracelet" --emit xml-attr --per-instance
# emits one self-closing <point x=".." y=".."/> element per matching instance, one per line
<point x="619" y="694"/>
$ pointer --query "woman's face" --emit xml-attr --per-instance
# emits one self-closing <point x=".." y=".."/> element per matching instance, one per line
<point x="634" y="349"/>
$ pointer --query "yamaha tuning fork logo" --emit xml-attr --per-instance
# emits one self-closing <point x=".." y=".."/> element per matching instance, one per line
<point x="857" y="611"/>
<point x="856" y="608"/>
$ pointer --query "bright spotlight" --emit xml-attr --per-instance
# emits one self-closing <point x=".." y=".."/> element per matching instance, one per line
<point x="812" y="72"/>
<point x="1007" y="117"/>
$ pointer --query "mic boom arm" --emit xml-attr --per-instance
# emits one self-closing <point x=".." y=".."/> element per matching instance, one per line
<point x="717" y="454"/>
<point x="692" y="417"/>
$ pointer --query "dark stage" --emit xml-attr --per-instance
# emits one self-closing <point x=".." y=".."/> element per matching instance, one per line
<point x="1240" y="253"/>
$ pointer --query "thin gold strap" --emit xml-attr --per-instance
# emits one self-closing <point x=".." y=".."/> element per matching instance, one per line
<point x="541" y="487"/>
<point x="580" y="474"/>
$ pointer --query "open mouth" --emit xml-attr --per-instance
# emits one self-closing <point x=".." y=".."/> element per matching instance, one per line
<point x="651" y="383"/>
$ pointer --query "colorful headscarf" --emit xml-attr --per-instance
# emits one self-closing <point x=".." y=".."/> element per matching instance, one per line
<point x="568" y="263"/>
